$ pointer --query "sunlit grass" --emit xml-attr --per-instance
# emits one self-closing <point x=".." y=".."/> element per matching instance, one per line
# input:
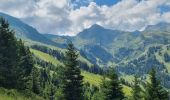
<point x="46" y="57"/>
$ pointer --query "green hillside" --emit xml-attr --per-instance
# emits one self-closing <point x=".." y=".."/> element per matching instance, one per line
<point x="13" y="94"/>
<point x="46" y="57"/>
<point x="96" y="80"/>
<point x="91" y="78"/>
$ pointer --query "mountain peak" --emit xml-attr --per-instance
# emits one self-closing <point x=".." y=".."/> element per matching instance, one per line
<point x="96" y="26"/>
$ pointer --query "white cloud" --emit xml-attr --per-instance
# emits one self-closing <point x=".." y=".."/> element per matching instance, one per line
<point x="59" y="17"/>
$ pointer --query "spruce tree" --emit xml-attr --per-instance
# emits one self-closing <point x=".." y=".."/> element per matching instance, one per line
<point x="25" y="67"/>
<point x="111" y="87"/>
<point x="36" y="88"/>
<point x="8" y="56"/>
<point x="72" y="79"/>
<point x="15" y="60"/>
<point x="154" y="90"/>
<point x="136" y="93"/>
<point x="52" y="92"/>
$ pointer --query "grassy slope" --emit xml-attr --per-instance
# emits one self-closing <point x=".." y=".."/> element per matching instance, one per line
<point x="46" y="57"/>
<point x="15" y="95"/>
<point x="93" y="79"/>
<point x="96" y="80"/>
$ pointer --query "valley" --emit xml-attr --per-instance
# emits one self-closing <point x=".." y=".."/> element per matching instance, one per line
<point x="129" y="53"/>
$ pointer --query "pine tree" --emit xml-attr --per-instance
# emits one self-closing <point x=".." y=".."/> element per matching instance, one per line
<point x="111" y="87"/>
<point x="52" y="92"/>
<point x="8" y="56"/>
<point x="25" y="67"/>
<point x="15" y="60"/>
<point x="72" y="79"/>
<point x="154" y="89"/>
<point x="36" y="88"/>
<point x="136" y="93"/>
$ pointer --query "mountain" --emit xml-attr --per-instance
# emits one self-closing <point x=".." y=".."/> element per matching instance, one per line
<point x="61" y="40"/>
<point x="159" y="27"/>
<point x="111" y="47"/>
<point x="26" y="32"/>
<point x="129" y="52"/>
<point x="119" y="45"/>
<point x="96" y="35"/>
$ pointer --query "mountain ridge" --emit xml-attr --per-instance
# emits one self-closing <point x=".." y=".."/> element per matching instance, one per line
<point x="25" y="31"/>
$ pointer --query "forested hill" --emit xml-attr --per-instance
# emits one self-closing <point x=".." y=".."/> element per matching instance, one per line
<point x="83" y="70"/>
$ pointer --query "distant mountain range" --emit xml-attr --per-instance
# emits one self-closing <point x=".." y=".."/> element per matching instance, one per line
<point x="104" y="45"/>
<point x="130" y="52"/>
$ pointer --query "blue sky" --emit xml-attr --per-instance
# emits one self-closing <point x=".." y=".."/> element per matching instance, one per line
<point x="106" y="2"/>
<point x="98" y="2"/>
<point x="165" y="8"/>
<point x="80" y="3"/>
<point x="69" y="17"/>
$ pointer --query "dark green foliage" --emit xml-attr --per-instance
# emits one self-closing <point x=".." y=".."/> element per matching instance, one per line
<point x="45" y="83"/>
<point x="72" y="79"/>
<point x="136" y="93"/>
<point x="52" y="93"/>
<point x="24" y="68"/>
<point x="154" y="89"/>
<point x="111" y="87"/>
<point x="45" y="78"/>
<point x="36" y="86"/>
<point x="8" y="56"/>
<point x="15" y="60"/>
<point x="90" y="92"/>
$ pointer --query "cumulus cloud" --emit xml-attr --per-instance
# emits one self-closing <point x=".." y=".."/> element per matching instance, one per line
<point x="61" y="17"/>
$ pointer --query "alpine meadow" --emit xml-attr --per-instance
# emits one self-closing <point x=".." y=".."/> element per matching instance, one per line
<point x="84" y="49"/>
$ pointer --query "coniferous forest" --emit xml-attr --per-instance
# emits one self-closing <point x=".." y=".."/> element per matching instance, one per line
<point x="39" y="72"/>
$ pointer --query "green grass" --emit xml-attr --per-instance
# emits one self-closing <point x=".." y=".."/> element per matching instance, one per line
<point x="96" y="80"/>
<point x="128" y="78"/>
<point x="46" y="57"/>
<point x="127" y="90"/>
<point x="93" y="79"/>
<point x="13" y="94"/>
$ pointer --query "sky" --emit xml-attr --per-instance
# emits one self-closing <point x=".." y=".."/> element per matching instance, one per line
<point x="69" y="17"/>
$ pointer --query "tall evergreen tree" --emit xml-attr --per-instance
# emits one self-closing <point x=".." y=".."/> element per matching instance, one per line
<point x="15" y="60"/>
<point x="36" y="88"/>
<point x="72" y="79"/>
<point x="111" y="87"/>
<point x="52" y="92"/>
<point x="8" y="56"/>
<point x="136" y="93"/>
<point x="25" y="67"/>
<point x="154" y="89"/>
